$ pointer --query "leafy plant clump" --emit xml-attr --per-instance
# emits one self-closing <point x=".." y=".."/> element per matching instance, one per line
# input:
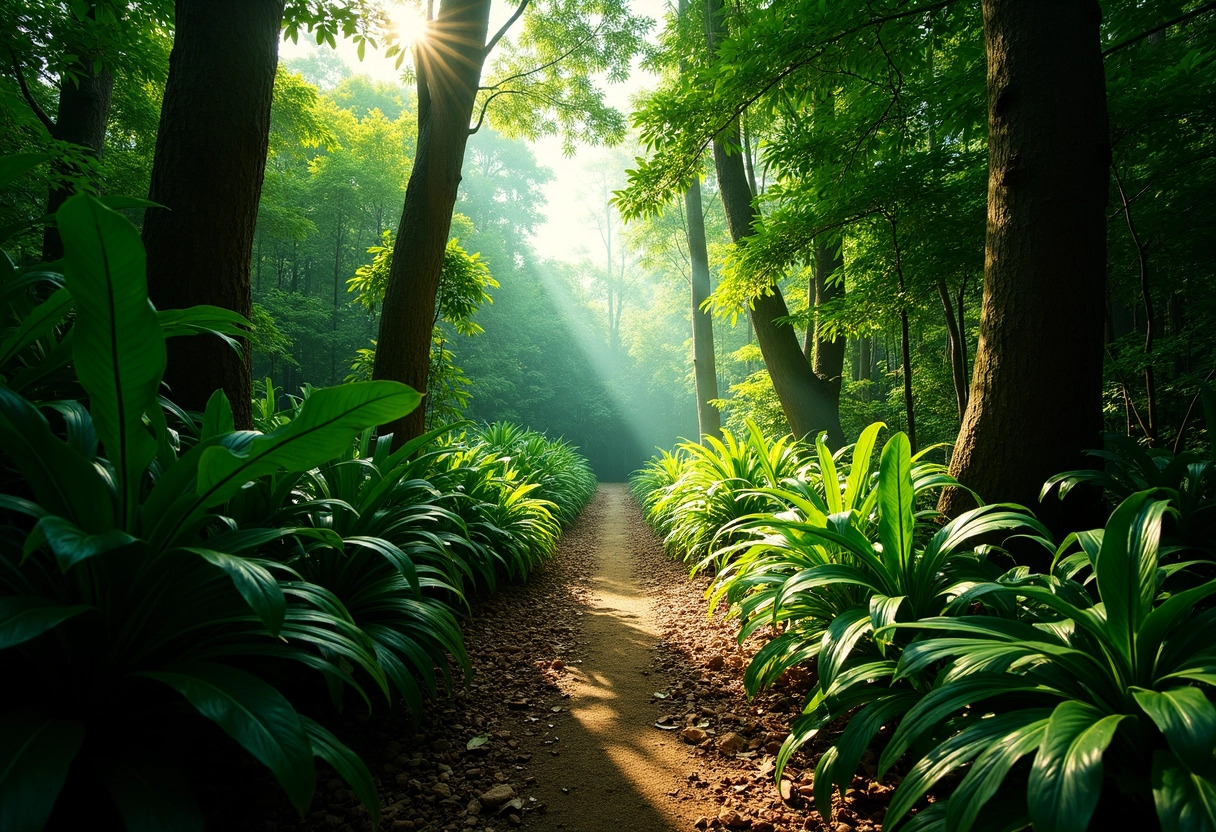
<point x="150" y="574"/>
<point x="1017" y="699"/>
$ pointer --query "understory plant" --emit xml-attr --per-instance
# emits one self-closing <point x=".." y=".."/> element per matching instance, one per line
<point x="152" y="575"/>
<point x="1012" y="699"/>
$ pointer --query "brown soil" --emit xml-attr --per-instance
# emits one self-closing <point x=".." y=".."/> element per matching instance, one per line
<point x="608" y="700"/>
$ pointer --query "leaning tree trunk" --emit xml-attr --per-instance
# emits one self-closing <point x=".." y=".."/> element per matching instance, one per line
<point x="807" y="405"/>
<point x="449" y="71"/>
<point x="208" y="168"/>
<point x="1035" y="400"/>
<point x="705" y="371"/>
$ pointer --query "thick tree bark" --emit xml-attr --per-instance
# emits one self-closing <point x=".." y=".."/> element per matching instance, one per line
<point x="449" y="70"/>
<point x="807" y="405"/>
<point x="84" y="110"/>
<point x="210" y="159"/>
<point x="1035" y="401"/>
<point x="709" y="420"/>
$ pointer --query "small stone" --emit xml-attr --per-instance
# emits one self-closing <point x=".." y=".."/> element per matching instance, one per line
<point x="732" y="819"/>
<point x="498" y="795"/>
<point x="731" y="744"/>
<point x="763" y="826"/>
<point x="515" y="819"/>
<point x="717" y="663"/>
<point x="841" y="826"/>
<point x="772" y="748"/>
<point x="442" y="789"/>
<point x="474" y="807"/>
<point x="556" y="664"/>
<point x="702" y="822"/>
<point x="694" y="735"/>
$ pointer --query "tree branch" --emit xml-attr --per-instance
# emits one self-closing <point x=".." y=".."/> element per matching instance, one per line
<point x="1202" y="10"/>
<point x="519" y="10"/>
<point x="29" y="98"/>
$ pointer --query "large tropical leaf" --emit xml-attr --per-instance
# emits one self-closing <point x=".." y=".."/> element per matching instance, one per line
<point x="896" y="508"/>
<point x="40" y="321"/>
<point x="119" y="349"/>
<point x="1066" y="778"/>
<point x="23" y="617"/>
<point x="1186" y="801"/>
<point x="1187" y="719"/>
<point x="35" y="753"/>
<point x="255" y="715"/>
<point x="327" y="422"/>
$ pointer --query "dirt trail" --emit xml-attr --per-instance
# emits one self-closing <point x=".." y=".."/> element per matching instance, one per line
<point x="557" y="730"/>
<point x="613" y="769"/>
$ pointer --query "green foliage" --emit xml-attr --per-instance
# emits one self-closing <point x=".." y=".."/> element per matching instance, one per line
<point x="1052" y="701"/>
<point x="160" y="567"/>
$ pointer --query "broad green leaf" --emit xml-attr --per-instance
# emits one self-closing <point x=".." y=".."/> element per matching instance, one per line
<point x="859" y="472"/>
<point x="838" y="641"/>
<point x="39" y="322"/>
<point x="16" y="165"/>
<point x="150" y="796"/>
<point x="896" y="518"/>
<point x="255" y="715"/>
<point x="204" y="320"/>
<point x="23" y="617"/>
<point x="63" y="482"/>
<point x="217" y="417"/>
<point x="326" y="424"/>
<point x="827" y="470"/>
<point x="1186" y="801"/>
<point x="71" y="545"/>
<point x="988" y="771"/>
<point x="35" y="753"/>
<point x="255" y="584"/>
<point x="119" y="350"/>
<point x="346" y="763"/>
<point x="1187" y="719"/>
<point x="1066" y="778"/>
<point x="1126" y="568"/>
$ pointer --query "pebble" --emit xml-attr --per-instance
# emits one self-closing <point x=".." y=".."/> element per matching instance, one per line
<point x="498" y="795"/>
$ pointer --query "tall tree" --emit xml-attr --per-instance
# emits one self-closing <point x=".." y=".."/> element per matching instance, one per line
<point x="208" y="169"/>
<point x="804" y="396"/>
<point x="564" y="43"/>
<point x="1035" y="400"/>
<point x="705" y="372"/>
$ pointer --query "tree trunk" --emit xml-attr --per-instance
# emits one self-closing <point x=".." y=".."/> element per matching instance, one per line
<point x="84" y="110"/>
<point x="709" y="420"/>
<point x="806" y="402"/>
<point x="1035" y="400"/>
<point x="957" y="349"/>
<point x="208" y="168"/>
<point x="826" y="355"/>
<point x="449" y="70"/>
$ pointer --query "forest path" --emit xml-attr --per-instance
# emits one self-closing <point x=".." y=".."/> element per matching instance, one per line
<point x="613" y="769"/>
<point x="556" y="731"/>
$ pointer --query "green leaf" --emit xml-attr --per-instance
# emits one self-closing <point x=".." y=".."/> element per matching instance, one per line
<point x="346" y="763"/>
<point x="63" y="482"/>
<point x="255" y="584"/>
<point x="988" y="772"/>
<point x="35" y="753"/>
<point x="119" y="350"/>
<point x="16" y="165"/>
<point x="151" y="797"/>
<point x="23" y="617"/>
<point x="39" y="322"/>
<point x="255" y="715"/>
<point x="71" y="545"/>
<point x="896" y="511"/>
<point x="1186" y="801"/>
<point x="204" y="320"/>
<point x="217" y="417"/>
<point x="1066" y="778"/>
<point x="327" y="422"/>
<point x="1187" y="719"/>
<point x="859" y="472"/>
<point x="1126" y="568"/>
